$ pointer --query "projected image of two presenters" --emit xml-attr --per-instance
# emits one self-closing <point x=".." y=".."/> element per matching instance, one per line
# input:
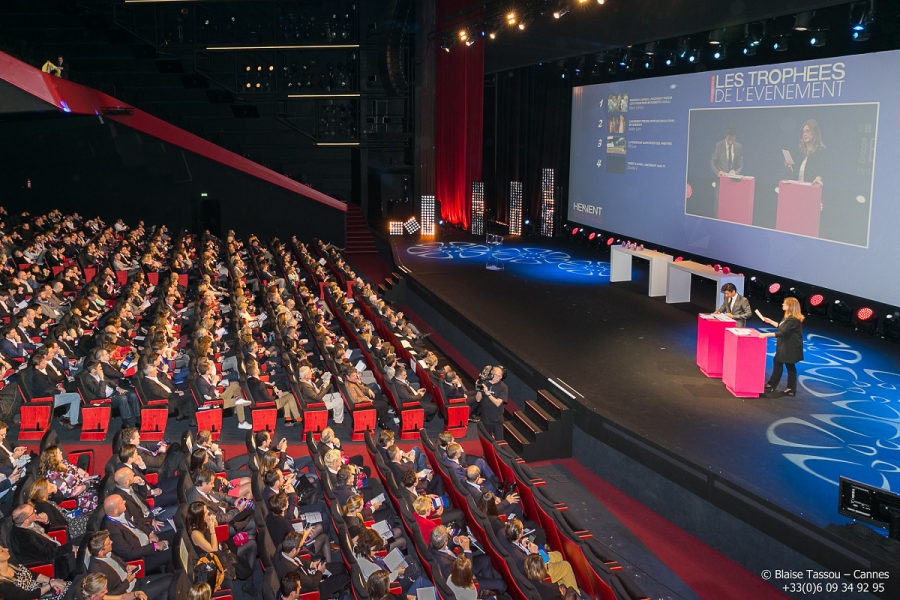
<point x="805" y="170"/>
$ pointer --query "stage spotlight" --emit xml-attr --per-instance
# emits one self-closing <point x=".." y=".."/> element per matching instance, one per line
<point x="802" y="20"/>
<point x="866" y="319"/>
<point x="818" y="39"/>
<point x="840" y="312"/>
<point x="749" y="50"/>
<point x="669" y="62"/>
<point x="715" y="36"/>
<point x="395" y="228"/>
<point x="524" y="23"/>
<point x="648" y="64"/>
<point x="754" y="33"/>
<point x="775" y="293"/>
<point x="720" y="53"/>
<point x="799" y="294"/>
<point x="860" y="36"/>
<point x="650" y="48"/>
<point x="755" y="288"/>
<point x="463" y="35"/>
<point x="891" y="328"/>
<point x="562" y="9"/>
<point x="781" y="44"/>
<point x="862" y="14"/>
<point x="511" y="18"/>
<point x="817" y="306"/>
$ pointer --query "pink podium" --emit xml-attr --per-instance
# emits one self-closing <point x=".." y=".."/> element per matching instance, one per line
<point x="799" y="208"/>
<point x="744" y="364"/>
<point x="711" y="343"/>
<point x="736" y="199"/>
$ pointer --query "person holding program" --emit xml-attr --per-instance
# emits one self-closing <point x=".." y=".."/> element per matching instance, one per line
<point x="789" y="347"/>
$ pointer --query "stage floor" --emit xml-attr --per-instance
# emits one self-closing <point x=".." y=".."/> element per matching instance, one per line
<point x="631" y="359"/>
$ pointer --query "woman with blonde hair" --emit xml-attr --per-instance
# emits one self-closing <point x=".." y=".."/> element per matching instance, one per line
<point x="199" y="591"/>
<point x="788" y="348"/>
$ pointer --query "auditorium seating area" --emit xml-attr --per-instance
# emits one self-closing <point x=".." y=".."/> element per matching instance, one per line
<point x="140" y="335"/>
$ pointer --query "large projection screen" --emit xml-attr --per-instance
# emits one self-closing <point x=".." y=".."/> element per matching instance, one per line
<point x="803" y="195"/>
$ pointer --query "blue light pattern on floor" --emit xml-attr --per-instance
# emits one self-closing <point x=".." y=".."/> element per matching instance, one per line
<point x="539" y="263"/>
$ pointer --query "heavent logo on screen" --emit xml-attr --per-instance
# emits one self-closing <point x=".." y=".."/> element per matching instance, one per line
<point x="591" y="213"/>
<point x="808" y="82"/>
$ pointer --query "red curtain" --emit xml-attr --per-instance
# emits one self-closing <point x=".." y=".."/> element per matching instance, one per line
<point x="459" y="98"/>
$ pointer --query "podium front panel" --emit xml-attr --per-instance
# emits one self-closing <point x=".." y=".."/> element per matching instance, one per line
<point x="711" y="344"/>
<point x="736" y="199"/>
<point x="744" y="363"/>
<point x="799" y="208"/>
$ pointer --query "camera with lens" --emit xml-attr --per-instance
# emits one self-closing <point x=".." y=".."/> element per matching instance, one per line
<point x="483" y="378"/>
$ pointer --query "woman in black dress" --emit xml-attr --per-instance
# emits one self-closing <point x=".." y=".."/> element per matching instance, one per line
<point x="812" y="154"/>
<point x="789" y="348"/>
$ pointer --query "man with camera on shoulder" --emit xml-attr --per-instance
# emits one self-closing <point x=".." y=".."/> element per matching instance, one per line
<point x="488" y="399"/>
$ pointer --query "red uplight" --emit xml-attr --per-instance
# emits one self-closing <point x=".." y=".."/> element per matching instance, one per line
<point x="679" y="259"/>
<point x="726" y="270"/>
<point x="610" y="242"/>
<point x="816" y="300"/>
<point x="864" y="314"/>
<point x="773" y="289"/>
<point x="592" y="236"/>
<point x="574" y="230"/>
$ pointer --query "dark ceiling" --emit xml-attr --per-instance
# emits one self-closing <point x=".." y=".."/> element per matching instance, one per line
<point x="618" y="23"/>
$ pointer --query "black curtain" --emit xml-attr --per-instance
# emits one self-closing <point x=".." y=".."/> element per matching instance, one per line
<point x="526" y="129"/>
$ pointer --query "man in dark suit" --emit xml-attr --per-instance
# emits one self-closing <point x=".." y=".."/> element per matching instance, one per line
<point x="474" y="486"/>
<point x="41" y="385"/>
<point x="155" y="388"/>
<point x="136" y="507"/>
<point x="120" y="577"/>
<point x="223" y="507"/>
<point x="735" y="306"/>
<point x="131" y="540"/>
<point x="409" y="492"/>
<point x="28" y="543"/>
<point x="162" y="459"/>
<point x="431" y="484"/>
<point x="728" y="157"/>
<point x="216" y="462"/>
<point x="95" y="387"/>
<point x="406" y="393"/>
<point x="12" y="346"/>
<point x="439" y="544"/>
<point x="288" y="560"/>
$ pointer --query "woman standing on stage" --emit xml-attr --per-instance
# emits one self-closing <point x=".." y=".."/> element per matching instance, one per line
<point x="789" y="347"/>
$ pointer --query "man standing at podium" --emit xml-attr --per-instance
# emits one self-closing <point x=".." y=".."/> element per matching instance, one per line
<point x="728" y="158"/>
<point x="735" y="306"/>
